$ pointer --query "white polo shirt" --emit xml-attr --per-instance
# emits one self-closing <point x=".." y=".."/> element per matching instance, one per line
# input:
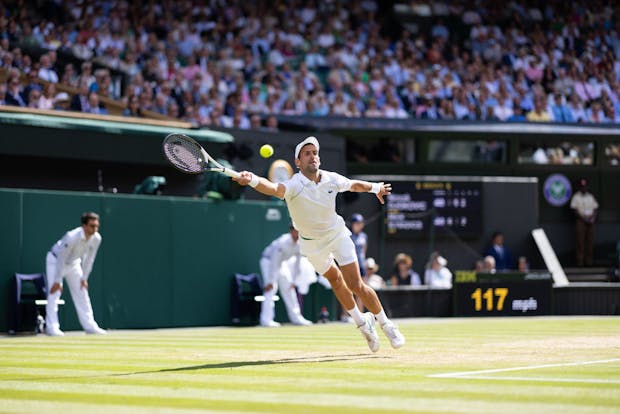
<point x="584" y="203"/>
<point x="313" y="205"/>
<point x="279" y="250"/>
<point x="74" y="249"/>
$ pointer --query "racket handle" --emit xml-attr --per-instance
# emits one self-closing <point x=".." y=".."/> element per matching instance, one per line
<point x="230" y="173"/>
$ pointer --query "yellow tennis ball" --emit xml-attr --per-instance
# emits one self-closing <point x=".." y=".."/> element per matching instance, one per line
<point x="266" y="151"/>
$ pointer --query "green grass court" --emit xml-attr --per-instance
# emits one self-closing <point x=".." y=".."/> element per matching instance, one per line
<point x="492" y="365"/>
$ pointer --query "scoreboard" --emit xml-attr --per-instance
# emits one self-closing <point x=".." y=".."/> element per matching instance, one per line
<point x="448" y="206"/>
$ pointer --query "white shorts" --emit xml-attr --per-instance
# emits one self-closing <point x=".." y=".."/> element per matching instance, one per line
<point x="322" y="253"/>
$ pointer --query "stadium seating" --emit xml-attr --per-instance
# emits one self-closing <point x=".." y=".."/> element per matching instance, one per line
<point x="465" y="61"/>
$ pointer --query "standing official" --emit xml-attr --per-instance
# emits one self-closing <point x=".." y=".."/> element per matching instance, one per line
<point x="585" y="205"/>
<point x="324" y="238"/>
<point x="504" y="260"/>
<point x="72" y="258"/>
<point x="280" y="264"/>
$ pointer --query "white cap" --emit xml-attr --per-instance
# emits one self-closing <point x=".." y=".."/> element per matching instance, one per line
<point x="371" y="264"/>
<point x="442" y="260"/>
<point x="62" y="96"/>
<point x="309" y="140"/>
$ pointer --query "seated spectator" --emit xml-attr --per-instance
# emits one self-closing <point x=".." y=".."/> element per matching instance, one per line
<point x="502" y="255"/>
<point x="62" y="101"/>
<point x="539" y="113"/>
<point x="503" y="111"/>
<point x="314" y="60"/>
<point x="33" y="98"/>
<point x="86" y="74"/>
<point x="2" y="94"/>
<point x="372" y="111"/>
<point x="584" y="89"/>
<point x="372" y="278"/>
<point x="173" y="109"/>
<point x="47" y="72"/>
<point x="352" y="110"/>
<point x="393" y="110"/>
<point x="14" y="92"/>
<point x="32" y="83"/>
<point x="611" y="115"/>
<point x="46" y="101"/>
<point x="489" y="264"/>
<point x="339" y="106"/>
<point x="437" y="275"/>
<point x="523" y="265"/>
<point x="240" y="120"/>
<point x="95" y="106"/>
<point x="320" y="106"/>
<point x="255" y="122"/>
<point x="595" y="113"/>
<point x="69" y="77"/>
<point x="539" y="156"/>
<point x="271" y="123"/>
<point x="403" y="274"/>
<point x="479" y="266"/>
<point x="517" y="115"/>
<point x="133" y="107"/>
<point x="79" y="102"/>
<point x="560" y="111"/>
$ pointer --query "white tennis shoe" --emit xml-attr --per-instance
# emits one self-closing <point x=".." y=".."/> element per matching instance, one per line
<point x="369" y="332"/>
<point x="54" y="332"/>
<point x="96" y="331"/>
<point x="302" y="322"/>
<point x="393" y="334"/>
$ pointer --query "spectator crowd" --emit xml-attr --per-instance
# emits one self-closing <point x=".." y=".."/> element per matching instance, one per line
<point x="237" y="63"/>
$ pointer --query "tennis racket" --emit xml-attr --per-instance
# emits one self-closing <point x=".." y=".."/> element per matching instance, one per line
<point x="187" y="155"/>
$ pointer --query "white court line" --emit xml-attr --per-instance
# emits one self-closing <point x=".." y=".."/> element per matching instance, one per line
<point x="478" y="374"/>
<point x="540" y="379"/>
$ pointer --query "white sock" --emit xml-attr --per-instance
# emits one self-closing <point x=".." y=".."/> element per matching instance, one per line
<point x="382" y="317"/>
<point x="357" y="316"/>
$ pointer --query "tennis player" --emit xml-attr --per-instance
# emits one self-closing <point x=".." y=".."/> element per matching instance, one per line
<point x="310" y="196"/>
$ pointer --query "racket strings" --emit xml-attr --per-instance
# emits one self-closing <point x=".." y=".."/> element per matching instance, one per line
<point x="184" y="155"/>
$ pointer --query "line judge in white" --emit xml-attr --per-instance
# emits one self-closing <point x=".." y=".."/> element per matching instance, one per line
<point x="72" y="258"/>
<point x="310" y="197"/>
<point x="281" y="265"/>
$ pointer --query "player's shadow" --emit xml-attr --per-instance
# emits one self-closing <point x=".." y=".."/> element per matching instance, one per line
<point x="239" y="364"/>
<point x="300" y="360"/>
<point x="223" y="365"/>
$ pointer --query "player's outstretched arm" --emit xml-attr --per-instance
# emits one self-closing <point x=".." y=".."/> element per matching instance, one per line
<point x="379" y="189"/>
<point x="261" y="184"/>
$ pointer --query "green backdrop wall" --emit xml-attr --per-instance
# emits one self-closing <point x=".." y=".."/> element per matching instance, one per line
<point x="164" y="261"/>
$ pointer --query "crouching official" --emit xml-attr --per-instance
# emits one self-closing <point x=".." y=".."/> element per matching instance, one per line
<point x="72" y="258"/>
<point x="280" y="265"/>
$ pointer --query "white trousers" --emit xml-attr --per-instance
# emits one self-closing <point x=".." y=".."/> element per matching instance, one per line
<point x="283" y="282"/>
<point x="81" y="300"/>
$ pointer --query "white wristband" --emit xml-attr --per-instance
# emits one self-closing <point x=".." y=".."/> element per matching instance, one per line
<point x="376" y="187"/>
<point x="254" y="181"/>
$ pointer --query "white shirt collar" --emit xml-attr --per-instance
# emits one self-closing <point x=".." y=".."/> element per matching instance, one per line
<point x="323" y="178"/>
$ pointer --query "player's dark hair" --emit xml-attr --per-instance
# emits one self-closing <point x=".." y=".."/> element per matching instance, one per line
<point x="88" y="216"/>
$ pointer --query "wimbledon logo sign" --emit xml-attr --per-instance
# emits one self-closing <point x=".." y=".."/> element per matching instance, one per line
<point x="557" y="190"/>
